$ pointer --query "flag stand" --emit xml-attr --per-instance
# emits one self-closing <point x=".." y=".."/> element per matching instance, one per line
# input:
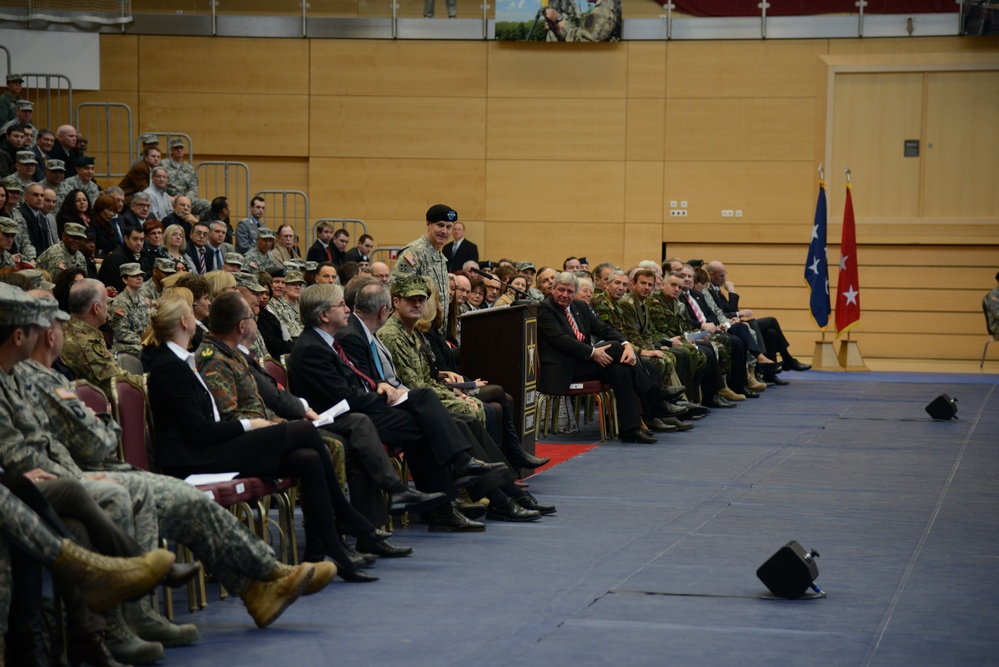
<point x="850" y="357"/>
<point x="824" y="356"/>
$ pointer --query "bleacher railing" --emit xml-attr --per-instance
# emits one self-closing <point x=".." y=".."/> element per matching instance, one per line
<point x="165" y="138"/>
<point x="108" y="128"/>
<point x="225" y="179"/>
<point x="6" y="52"/>
<point x="52" y="95"/>
<point x="387" y="254"/>
<point x="286" y="207"/>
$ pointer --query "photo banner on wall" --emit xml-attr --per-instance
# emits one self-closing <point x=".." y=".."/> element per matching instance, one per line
<point x="558" y="21"/>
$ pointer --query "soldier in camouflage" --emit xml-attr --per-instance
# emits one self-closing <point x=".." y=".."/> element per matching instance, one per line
<point x="25" y="166"/>
<point x="65" y="255"/>
<point x="285" y="307"/>
<point x="128" y="313"/>
<point x="259" y="257"/>
<point x="84" y="180"/>
<point x="183" y="178"/>
<point x="8" y="232"/>
<point x="250" y="287"/>
<point x="162" y="267"/>
<point x="14" y="190"/>
<point x="424" y="257"/>
<point x="644" y="337"/>
<point x="600" y="23"/>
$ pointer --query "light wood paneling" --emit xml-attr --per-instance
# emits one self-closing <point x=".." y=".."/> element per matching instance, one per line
<point x="119" y="63"/>
<point x="256" y="70"/>
<point x="400" y="68"/>
<point x="794" y="254"/>
<point x="897" y="277"/>
<point x="912" y="45"/>
<point x="571" y="70"/>
<point x="551" y="242"/>
<point x="646" y="128"/>
<point x="643" y="193"/>
<point x="398" y="128"/>
<point x="544" y="191"/>
<point x="736" y="69"/>
<point x="397" y="189"/>
<point x="586" y="129"/>
<point x="646" y="69"/>
<point x="731" y="129"/>
<point x="251" y="125"/>
<point x="640" y="242"/>
<point x="961" y="145"/>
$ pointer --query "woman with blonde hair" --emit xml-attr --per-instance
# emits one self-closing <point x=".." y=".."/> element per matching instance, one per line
<point x="174" y="245"/>
<point x="190" y="438"/>
<point x="219" y="282"/>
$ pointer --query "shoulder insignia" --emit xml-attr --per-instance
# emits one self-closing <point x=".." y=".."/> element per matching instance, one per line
<point x="99" y="348"/>
<point x="207" y="352"/>
<point x="62" y="265"/>
<point x="411" y="258"/>
<point x="120" y="312"/>
<point x="252" y="263"/>
<point x="65" y="394"/>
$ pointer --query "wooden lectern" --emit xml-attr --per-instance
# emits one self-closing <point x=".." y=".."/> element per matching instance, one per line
<point x="500" y="345"/>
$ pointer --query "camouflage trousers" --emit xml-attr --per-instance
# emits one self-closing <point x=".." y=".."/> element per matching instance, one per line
<point x="689" y="362"/>
<point x="667" y="367"/>
<point x="339" y="457"/>
<point x="723" y="348"/>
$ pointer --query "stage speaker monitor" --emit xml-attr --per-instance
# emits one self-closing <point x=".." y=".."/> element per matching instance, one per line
<point x="790" y="572"/>
<point x="942" y="407"/>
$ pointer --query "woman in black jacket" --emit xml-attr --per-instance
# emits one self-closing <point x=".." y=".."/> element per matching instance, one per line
<point x="191" y="439"/>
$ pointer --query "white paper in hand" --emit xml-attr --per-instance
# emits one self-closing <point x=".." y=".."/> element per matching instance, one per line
<point x="331" y="414"/>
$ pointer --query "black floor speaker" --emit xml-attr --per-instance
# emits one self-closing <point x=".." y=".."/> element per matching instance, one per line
<point x="942" y="407"/>
<point x="790" y="572"/>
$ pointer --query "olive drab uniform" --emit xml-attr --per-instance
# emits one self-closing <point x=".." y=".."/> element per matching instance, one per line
<point x="421" y="258"/>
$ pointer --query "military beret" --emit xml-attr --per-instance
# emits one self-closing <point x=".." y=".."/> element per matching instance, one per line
<point x="249" y="281"/>
<point x="524" y="266"/>
<point x="149" y="138"/>
<point x="234" y="258"/>
<point x="177" y="141"/>
<point x="75" y="229"/>
<point x="292" y="277"/>
<point x="166" y="265"/>
<point x="18" y="308"/>
<point x="130" y="269"/>
<point x="84" y="161"/>
<point x="405" y="286"/>
<point x="441" y="213"/>
<point x="15" y="78"/>
<point x="26" y="157"/>
<point x="37" y="279"/>
<point x="55" y="165"/>
<point x="11" y="184"/>
<point x="49" y="309"/>
<point x="8" y="226"/>
<point x="25" y="105"/>
<point x="265" y="233"/>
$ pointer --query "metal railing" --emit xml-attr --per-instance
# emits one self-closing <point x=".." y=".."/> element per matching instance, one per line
<point x="6" y="53"/>
<point x="350" y="224"/>
<point x="286" y="207"/>
<point x="108" y="128"/>
<point x="55" y="101"/>
<point x="165" y="138"/>
<point x="225" y="179"/>
<point x="387" y="254"/>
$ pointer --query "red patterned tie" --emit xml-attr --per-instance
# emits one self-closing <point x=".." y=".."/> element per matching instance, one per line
<point x="343" y="356"/>
<point x="572" y="325"/>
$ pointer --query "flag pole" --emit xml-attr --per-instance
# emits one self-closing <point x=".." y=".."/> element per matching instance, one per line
<point x="850" y="357"/>
<point x="823" y="356"/>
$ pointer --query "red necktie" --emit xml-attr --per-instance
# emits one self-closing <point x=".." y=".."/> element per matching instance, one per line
<point x="343" y="356"/>
<point x="572" y="325"/>
<point x="329" y="255"/>
<point x="695" y="308"/>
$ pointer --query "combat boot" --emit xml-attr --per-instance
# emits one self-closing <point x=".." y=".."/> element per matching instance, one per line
<point x="150" y="626"/>
<point x="128" y="647"/>
<point x="325" y="571"/>
<point x="105" y="581"/>
<point x="266" y="600"/>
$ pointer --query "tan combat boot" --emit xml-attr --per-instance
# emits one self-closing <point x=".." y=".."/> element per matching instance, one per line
<point x="752" y="382"/>
<point x="325" y="571"/>
<point x="105" y="581"/>
<point x="266" y="600"/>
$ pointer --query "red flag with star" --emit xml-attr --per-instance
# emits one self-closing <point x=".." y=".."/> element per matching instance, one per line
<point x="848" y="287"/>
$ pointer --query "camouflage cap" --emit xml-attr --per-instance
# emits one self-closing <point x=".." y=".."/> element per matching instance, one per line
<point x="149" y="139"/>
<point x="166" y="265"/>
<point x="292" y="277"/>
<point x="49" y="309"/>
<point x="406" y="286"/>
<point x="26" y="157"/>
<point x="249" y="281"/>
<point x="310" y="266"/>
<point x="37" y="279"/>
<point x="234" y="258"/>
<point x="8" y="226"/>
<point x="294" y="264"/>
<point x="524" y="266"/>
<point x="441" y="213"/>
<point x="265" y="233"/>
<point x="75" y="229"/>
<point x="25" y="105"/>
<point x="15" y="78"/>
<point x="55" y="165"/>
<point x="18" y="308"/>
<point x="130" y="269"/>
<point x="177" y="141"/>
<point x="11" y="184"/>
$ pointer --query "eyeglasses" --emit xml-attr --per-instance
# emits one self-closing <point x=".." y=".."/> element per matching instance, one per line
<point x="251" y="317"/>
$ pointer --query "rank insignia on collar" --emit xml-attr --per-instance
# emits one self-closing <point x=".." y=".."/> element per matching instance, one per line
<point x="208" y="352"/>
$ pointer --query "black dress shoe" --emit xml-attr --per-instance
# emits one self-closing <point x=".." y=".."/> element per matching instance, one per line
<point x="694" y="410"/>
<point x="662" y="426"/>
<point x="528" y="461"/>
<point x="472" y="511"/>
<point x="768" y="369"/>
<point x="355" y="576"/>
<point x="181" y="573"/>
<point x="672" y="410"/>
<point x="675" y="392"/>
<point x="677" y="424"/>
<point x="511" y="511"/>
<point x="637" y="436"/>
<point x="749" y="393"/>
<point x="476" y="471"/>
<point x="358" y="559"/>
<point x="529" y="502"/>
<point x="774" y="380"/>
<point x="383" y="549"/>
<point x="720" y="402"/>
<point x="412" y="500"/>
<point x="455" y="522"/>
<point x="795" y="365"/>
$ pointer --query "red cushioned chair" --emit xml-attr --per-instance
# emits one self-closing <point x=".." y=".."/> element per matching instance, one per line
<point x="276" y="370"/>
<point x="596" y="394"/>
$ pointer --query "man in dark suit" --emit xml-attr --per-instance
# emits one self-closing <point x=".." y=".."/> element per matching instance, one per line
<point x="439" y="456"/>
<point x="198" y="250"/>
<point x="460" y="250"/>
<point x="361" y="253"/>
<point x="130" y="251"/>
<point x="322" y="249"/>
<point x="565" y="327"/>
<point x="38" y="226"/>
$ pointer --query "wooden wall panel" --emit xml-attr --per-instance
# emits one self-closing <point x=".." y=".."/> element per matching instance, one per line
<point x="424" y="69"/>
<point x="119" y="63"/>
<point x="912" y="45"/>
<point x="646" y="69"/>
<point x="732" y="129"/>
<point x="643" y="193"/>
<point x="641" y="242"/>
<point x="556" y="129"/>
<point x="572" y="70"/>
<point x="550" y="243"/>
<point x="646" y="129"/>
<point x="544" y="191"/>
<point x="794" y="254"/>
<point x="398" y="127"/>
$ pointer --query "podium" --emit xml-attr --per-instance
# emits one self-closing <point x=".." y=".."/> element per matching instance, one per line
<point x="500" y="345"/>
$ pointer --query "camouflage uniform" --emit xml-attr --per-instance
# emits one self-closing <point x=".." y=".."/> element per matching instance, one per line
<point x="23" y="239"/>
<point x="8" y="107"/>
<point x="413" y="368"/>
<point x="639" y="330"/>
<point x="149" y="290"/>
<point x="258" y="261"/>
<point x="227" y="376"/>
<point x="57" y="258"/>
<point x="421" y="258"/>
<point x="225" y="546"/>
<point x="86" y="353"/>
<point x="74" y="183"/>
<point x="991" y="303"/>
<point x="288" y="314"/>
<point x="24" y="182"/>
<point x="6" y="259"/>
<point x="128" y="316"/>
<point x="602" y="23"/>
<point x="184" y="181"/>
<point x="670" y="319"/>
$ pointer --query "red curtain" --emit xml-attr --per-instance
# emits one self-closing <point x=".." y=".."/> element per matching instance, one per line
<point x="812" y="7"/>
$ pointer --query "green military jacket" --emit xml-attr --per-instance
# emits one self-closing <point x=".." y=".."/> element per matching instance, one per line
<point x="57" y="259"/>
<point x="128" y="317"/>
<point x="227" y="375"/>
<point x="637" y="325"/>
<point x="86" y="353"/>
<point x="421" y="258"/>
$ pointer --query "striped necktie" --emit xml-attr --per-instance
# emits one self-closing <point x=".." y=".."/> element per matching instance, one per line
<point x="572" y="325"/>
<point x="201" y="261"/>
<point x="343" y="357"/>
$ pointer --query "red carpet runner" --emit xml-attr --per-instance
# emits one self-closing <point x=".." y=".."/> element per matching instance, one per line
<point x="559" y="453"/>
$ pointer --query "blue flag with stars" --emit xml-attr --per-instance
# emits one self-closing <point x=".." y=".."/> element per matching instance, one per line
<point x="817" y="267"/>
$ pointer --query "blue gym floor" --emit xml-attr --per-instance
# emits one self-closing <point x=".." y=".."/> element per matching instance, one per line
<point x="652" y="556"/>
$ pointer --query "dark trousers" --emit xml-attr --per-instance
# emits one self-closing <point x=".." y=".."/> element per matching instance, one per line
<point x="773" y="337"/>
<point x="621" y="379"/>
<point x="370" y="474"/>
<point x="711" y="381"/>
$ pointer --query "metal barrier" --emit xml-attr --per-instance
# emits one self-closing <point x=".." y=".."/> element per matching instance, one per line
<point x="226" y="179"/>
<point x="286" y="207"/>
<point x="391" y="255"/>
<point x="110" y="141"/>
<point x="165" y="138"/>
<point x="7" y="52"/>
<point x="57" y="102"/>
<point x="341" y="223"/>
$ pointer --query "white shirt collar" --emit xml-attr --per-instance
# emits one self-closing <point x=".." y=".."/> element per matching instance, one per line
<point x="182" y="354"/>
<point x="324" y="335"/>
